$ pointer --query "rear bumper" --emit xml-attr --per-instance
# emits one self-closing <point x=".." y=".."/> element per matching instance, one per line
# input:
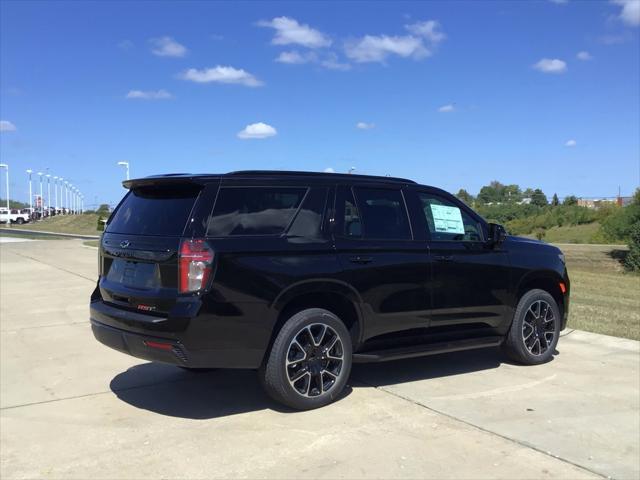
<point x="137" y="345"/>
<point x="201" y="341"/>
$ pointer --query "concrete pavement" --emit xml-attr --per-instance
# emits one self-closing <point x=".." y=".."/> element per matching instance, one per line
<point x="71" y="408"/>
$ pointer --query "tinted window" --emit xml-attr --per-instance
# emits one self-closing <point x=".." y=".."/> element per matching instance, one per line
<point x="384" y="215"/>
<point x="158" y="210"/>
<point x="254" y="210"/>
<point x="308" y="221"/>
<point x="446" y="221"/>
<point x="349" y="223"/>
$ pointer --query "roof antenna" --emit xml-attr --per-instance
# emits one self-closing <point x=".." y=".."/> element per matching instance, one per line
<point x="351" y="170"/>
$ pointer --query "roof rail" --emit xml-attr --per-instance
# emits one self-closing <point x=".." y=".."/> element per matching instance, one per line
<point x="317" y="174"/>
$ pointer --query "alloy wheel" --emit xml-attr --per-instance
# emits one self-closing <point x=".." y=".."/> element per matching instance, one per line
<point x="314" y="360"/>
<point x="539" y="327"/>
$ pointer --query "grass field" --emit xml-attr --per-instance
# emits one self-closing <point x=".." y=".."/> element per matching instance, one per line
<point x="81" y="224"/>
<point x="604" y="299"/>
<point x="587" y="233"/>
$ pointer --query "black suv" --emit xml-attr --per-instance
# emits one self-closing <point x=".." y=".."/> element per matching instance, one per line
<point x="300" y="274"/>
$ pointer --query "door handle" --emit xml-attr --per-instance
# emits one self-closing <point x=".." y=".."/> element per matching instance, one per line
<point x="361" y="260"/>
<point x="444" y="258"/>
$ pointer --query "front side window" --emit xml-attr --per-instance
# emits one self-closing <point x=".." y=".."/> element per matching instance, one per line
<point x="384" y="216"/>
<point x="448" y="222"/>
<point x="254" y="210"/>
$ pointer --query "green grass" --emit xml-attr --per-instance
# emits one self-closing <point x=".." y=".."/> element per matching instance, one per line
<point x="80" y="224"/>
<point x="604" y="299"/>
<point x="587" y="233"/>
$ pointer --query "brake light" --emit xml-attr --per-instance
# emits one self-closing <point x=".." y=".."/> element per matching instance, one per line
<point x="194" y="265"/>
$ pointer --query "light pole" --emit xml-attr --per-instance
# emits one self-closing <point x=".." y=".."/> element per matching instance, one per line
<point x="29" y="171"/>
<point x="48" y="194"/>
<point x="126" y="165"/>
<point x="41" y="200"/>
<point x="55" y="193"/>
<point x="4" y="165"/>
<point x="61" y="197"/>
<point x="71" y="197"/>
<point x="66" y="195"/>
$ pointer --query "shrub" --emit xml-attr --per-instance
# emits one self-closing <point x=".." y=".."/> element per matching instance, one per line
<point x="632" y="262"/>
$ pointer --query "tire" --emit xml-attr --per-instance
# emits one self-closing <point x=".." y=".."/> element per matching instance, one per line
<point x="20" y="221"/>
<point x="535" y="329"/>
<point x="309" y="362"/>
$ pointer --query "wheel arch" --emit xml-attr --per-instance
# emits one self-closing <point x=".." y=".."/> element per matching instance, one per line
<point x="334" y="296"/>
<point x="549" y="281"/>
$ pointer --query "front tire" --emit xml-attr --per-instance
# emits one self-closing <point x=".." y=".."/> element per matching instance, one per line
<point x="310" y="361"/>
<point x="535" y="329"/>
<point x="20" y="221"/>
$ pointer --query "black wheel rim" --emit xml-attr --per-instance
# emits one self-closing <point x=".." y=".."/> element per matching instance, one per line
<point x="539" y="327"/>
<point x="314" y="360"/>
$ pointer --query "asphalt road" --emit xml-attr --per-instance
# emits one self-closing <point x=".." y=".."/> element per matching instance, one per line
<point x="71" y="408"/>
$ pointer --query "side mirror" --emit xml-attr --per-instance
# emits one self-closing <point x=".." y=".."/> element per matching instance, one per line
<point x="497" y="234"/>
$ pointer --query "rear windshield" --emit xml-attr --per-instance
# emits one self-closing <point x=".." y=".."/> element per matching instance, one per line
<point x="156" y="210"/>
<point x="254" y="210"/>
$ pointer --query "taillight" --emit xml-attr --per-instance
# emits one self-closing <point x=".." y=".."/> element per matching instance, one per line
<point x="194" y="265"/>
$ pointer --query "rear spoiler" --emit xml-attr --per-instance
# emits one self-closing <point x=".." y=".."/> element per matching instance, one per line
<point x="172" y="179"/>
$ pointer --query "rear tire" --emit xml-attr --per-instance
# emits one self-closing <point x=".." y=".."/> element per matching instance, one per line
<point x="535" y="329"/>
<point x="310" y="361"/>
<point x="20" y="221"/>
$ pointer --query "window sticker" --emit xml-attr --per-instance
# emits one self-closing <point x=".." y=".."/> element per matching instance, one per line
<point x="447" y="219"/>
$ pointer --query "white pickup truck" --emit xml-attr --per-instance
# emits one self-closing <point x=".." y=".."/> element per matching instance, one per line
<point x="14" y="216"/>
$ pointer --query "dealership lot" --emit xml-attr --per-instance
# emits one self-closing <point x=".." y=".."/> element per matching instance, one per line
<point x="75" y="409"/>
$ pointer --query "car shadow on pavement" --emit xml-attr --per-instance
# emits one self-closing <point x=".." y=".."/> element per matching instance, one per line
<point x="171" y="391"/>
<point x="425" y="368"/>
<point x="175" y="392"/>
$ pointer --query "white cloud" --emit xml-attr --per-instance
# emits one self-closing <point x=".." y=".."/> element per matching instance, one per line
<point x="294" y="57"/>
<point x="371" y="48"/>
<point x="257" y="130"/>
<point x="570" y="143"/>
<point x="630" y="13"/>
<point x="548" y="65"/>
<point x="450" y="107"/>
<point x="167" y="47"/>
<point x="221" y="74"/>
<point x="329" y="170"/>
<point x="149" y="94"/>
<point x="365" y="125"/>
<point x="584" y="56"/>
<point x="7" y="126"/>
<point x="331" y="62"/>
<point x="429" y="30"/>
<point x="289" y="31"/>
<point x="423" y="38"/>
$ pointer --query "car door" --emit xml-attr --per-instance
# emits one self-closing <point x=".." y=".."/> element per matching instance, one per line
<point x="380" y="258"/>
<point x="470" y="277"/>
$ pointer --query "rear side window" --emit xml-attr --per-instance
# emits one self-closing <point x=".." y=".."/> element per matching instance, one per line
<point x="254" y="210"/>
<point x="156" y="210"/>
<point x="308" y="221"/>
<point x="384" y="215"/>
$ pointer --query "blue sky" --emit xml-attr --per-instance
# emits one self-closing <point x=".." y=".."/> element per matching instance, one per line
<point x="453" y="94"/>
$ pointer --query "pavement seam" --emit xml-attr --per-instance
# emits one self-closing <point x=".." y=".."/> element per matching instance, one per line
<point x="11" y="330"/>
<point x="95" y="394"/>
<point x="54" y="266"/>
<point x="485" y="430"/>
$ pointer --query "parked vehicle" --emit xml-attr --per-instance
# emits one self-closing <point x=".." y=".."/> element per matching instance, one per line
<point x="299" y="274"/>
<point x="13" y="216"/>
